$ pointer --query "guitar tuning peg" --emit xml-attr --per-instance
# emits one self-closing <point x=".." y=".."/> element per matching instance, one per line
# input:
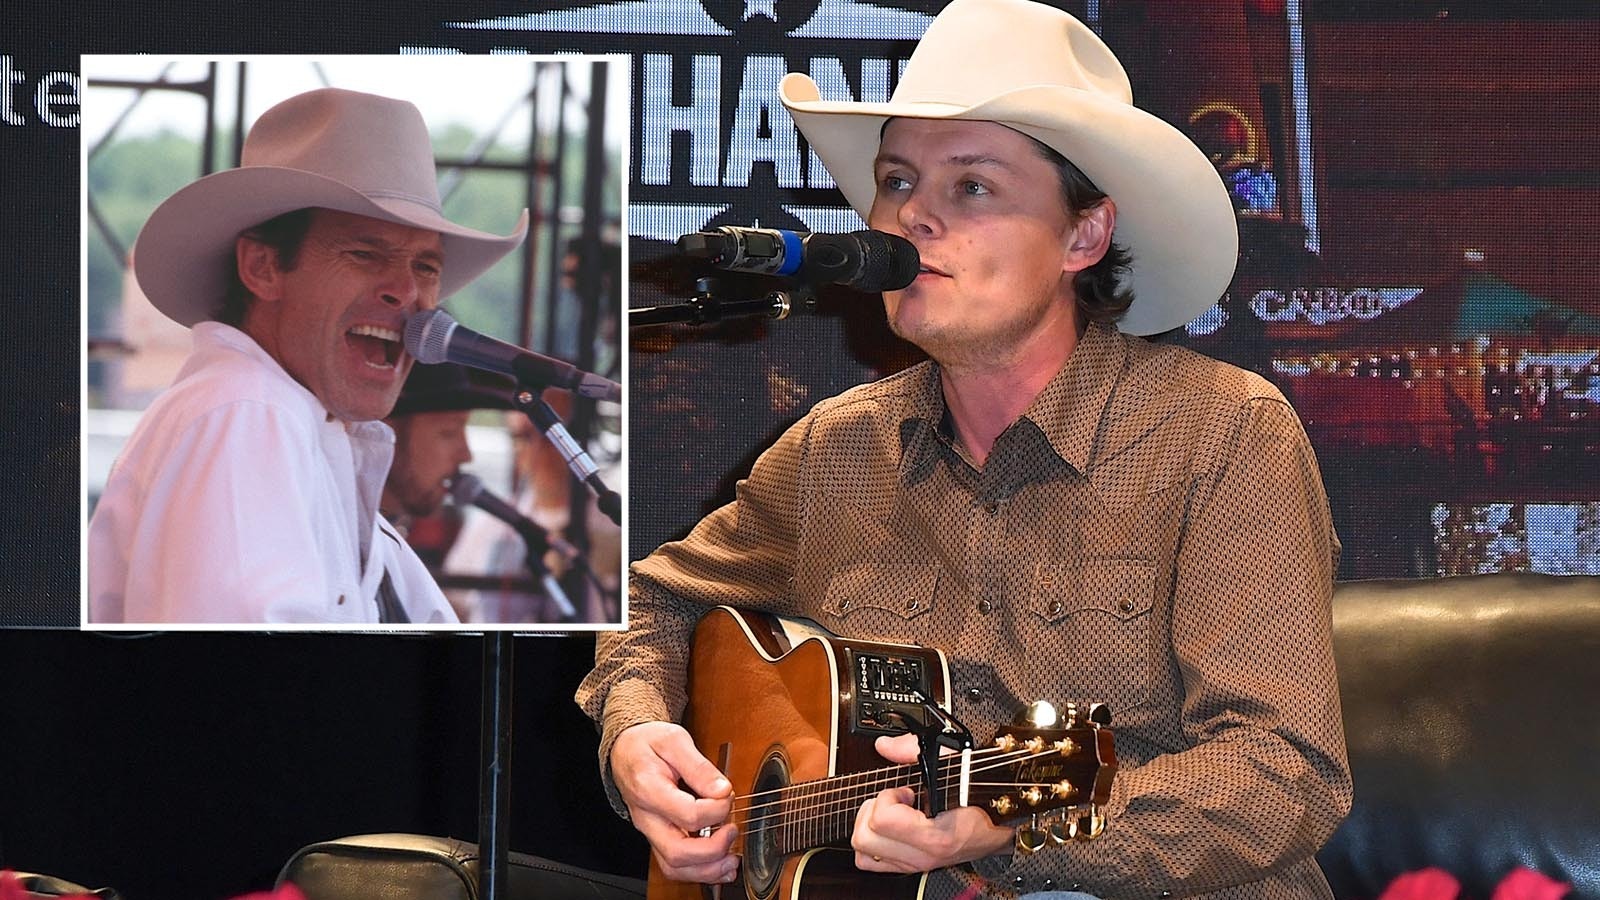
<point x="1030" y="838"/>
<point x="1100" y="714"/>
<point x="1031" y="795"/>
<point x="1061" y="829"/>
<point x="1091" y="824"/>
<point x="1072" y="714"/>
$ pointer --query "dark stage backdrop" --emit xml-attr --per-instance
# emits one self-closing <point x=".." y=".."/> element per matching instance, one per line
<point x="1416" y="183"/>
<point x="194" y="765"/>
<point x="1415" y="186"/>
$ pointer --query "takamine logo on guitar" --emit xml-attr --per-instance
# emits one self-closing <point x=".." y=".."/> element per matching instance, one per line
<point x="791" y="722"/>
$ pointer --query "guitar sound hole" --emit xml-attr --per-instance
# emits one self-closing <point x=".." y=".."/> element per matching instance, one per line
<point x="763" y="858"/>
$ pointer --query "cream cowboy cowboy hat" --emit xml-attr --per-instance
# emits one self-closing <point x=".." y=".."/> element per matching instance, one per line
<point x="329" y="148"/>
<point x="1045" y="74"/>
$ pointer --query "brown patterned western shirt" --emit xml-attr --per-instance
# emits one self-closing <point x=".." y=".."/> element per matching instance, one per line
<point x="1152" y="533"/>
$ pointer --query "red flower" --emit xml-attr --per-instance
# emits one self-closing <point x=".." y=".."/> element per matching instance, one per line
<point x="10" y="886"/>
<point x="1526" y="884"/>
<point x="1427" y="884"/>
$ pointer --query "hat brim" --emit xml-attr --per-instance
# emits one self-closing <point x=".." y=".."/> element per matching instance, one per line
<point x="1173" y="211"/>
<point x="183" y="256"/>
<point x="464" y="400"/>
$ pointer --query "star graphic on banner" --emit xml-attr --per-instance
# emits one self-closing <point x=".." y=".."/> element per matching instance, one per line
<point x="753" y="8"/>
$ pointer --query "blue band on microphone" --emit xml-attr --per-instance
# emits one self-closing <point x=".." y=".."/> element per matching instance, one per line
<point x="792" y="253"/>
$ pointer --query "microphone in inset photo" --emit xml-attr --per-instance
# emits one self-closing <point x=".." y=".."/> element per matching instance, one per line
<point x="467" y="489"/>
<point x="434" y="336"/>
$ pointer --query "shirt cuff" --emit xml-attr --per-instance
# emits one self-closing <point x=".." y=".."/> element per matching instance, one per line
<point x="628" y="703"/>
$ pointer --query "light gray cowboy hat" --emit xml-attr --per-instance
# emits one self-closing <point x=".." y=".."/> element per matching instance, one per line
<point x="1045" y="74"/>
<point x="329" y="148"/>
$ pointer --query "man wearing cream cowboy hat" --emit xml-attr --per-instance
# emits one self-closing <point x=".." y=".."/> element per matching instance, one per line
<point x="249" y="491"/>
<point x="1071" y="513"/>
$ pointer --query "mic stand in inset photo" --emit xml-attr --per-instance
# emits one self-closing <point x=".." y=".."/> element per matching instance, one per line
<point x="538" y="544"/>
<point x="707" y="308"/>
<point x="583" y="468"/>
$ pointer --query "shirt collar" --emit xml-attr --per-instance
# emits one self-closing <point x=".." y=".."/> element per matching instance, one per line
<point x="212" y="337"/>
<point x="1068" y="411"/>
<point x="1071" y="407"/>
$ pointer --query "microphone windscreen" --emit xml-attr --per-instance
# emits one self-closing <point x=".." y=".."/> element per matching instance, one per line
<point x="465" y="488"/>
<point x="889" y="262"/>
<point x="428" y="336"/>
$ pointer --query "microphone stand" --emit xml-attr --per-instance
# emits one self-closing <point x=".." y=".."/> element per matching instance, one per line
<point x="494" y="761"/>
<point x="528" y="401"/>
<point x="707" y="308"/>
<point x="538" y="544"/>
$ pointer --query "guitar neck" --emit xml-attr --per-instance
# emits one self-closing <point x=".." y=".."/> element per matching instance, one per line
<point x="1023" y="775"/>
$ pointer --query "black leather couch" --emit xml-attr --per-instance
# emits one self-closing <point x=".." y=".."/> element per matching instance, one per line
<point x="417" y="867"/>
<point x="1474" y="743"/>
<point x="1470" y="714"/>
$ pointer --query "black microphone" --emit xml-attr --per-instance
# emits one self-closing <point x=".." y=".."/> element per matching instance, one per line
<point x="433" y="336"/>
<point x="870" y="261"/>
<point x="467" y="489"/>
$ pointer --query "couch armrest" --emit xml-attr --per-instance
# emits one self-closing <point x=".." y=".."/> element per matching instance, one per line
<point x="419" y="867"/>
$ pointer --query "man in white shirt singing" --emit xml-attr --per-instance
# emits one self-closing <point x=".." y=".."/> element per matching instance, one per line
<point x="249" y="491"/>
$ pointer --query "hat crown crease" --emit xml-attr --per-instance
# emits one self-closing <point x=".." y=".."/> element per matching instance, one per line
<point x="332" y="132"/>
<point x="1022" y="48"/>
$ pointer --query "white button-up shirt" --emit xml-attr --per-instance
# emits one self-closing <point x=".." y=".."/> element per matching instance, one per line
<point x="240" y="499"/>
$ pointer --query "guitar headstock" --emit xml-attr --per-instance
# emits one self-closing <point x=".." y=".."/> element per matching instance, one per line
<point x="1054" y="771"/>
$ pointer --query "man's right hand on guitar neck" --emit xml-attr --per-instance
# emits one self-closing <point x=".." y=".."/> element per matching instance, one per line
<point x="648" y="762"/>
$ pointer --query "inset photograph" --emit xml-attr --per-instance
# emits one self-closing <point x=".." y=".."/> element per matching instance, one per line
<point x="352" y="342"/>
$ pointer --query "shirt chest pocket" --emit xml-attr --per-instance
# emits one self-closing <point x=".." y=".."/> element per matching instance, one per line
<point x="1093" y="622"/>
<point x="879" y="600"/>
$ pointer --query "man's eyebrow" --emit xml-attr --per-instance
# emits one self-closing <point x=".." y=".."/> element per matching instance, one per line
<point x="964" y="159"/>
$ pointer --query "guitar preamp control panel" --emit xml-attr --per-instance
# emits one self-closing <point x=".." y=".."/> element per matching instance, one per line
<point x="888" y="685"/>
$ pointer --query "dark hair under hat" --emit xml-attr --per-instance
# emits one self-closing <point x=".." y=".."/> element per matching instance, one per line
<point x="452" y="387"/>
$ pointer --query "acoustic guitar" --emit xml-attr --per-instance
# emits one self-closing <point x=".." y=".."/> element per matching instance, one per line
<point x="790" y="712"/>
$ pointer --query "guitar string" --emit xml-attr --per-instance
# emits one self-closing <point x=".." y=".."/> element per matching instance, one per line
<point x="832" y="807"/>
<point x="844" y="812"/>
<point x="887" y="775"/>
<point x="983" y="761"/>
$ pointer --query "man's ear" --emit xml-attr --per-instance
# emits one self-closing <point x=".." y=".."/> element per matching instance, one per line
<point x="258" y="268"/>
<point x="1090" y="237"/>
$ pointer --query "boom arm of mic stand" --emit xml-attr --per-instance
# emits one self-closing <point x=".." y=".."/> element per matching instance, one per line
<point x="706" y="308"/>
<point x="549" y="424"/>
